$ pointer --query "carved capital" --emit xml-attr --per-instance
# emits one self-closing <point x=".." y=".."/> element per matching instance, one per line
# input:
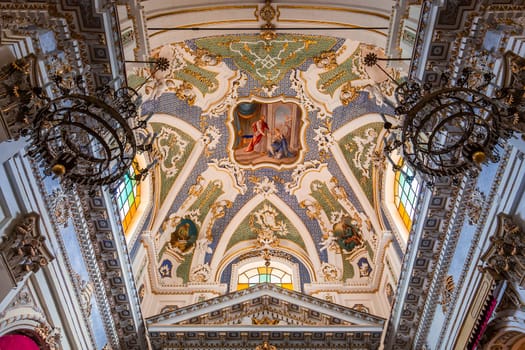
<point x="50" y="336"/>
<point x="24" y="249"/>
<point x="505" y="258"/>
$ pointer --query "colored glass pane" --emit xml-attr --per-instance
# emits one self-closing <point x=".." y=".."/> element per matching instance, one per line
<point x="128" y="198"/>
<point x="263" y="274"/>
<point x="406" y="190"/>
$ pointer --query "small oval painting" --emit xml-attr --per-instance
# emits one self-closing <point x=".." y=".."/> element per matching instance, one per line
<point x="347" y="234"/>
<point x="267" y="132"/>
<point x="184" y="236"/>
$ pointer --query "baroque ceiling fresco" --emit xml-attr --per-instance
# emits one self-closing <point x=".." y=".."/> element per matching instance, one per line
<point x="267" y="148"/>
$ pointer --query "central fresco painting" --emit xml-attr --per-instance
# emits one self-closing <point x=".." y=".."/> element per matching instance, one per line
<point x="266" y="133"/>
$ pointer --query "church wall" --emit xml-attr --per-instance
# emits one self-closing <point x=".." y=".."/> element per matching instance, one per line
<point x="43" y="303"/>
<point x="508" y="199"/>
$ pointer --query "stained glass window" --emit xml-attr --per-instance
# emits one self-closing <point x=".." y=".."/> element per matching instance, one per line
<point x="264" y="274"/>
<point x="128" y="198"/>
<point x="406" y="190"/>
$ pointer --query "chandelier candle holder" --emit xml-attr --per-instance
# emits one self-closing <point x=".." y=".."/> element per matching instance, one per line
<point x="85" y="140"/>
<point x="450" y="129"/>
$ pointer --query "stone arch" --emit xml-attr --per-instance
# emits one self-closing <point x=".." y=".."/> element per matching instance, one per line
<point x="26" y="321"/>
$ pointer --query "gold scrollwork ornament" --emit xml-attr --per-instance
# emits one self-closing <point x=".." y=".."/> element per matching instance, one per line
<point x="348" y="93"/>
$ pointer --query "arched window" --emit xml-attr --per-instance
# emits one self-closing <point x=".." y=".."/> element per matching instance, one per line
<point x="406" y="190"/>
<point x="128" y="198"/>
<point x="263" y="274"/>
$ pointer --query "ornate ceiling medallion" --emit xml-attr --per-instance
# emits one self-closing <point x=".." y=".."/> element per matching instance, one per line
<point x="268" y="13"/>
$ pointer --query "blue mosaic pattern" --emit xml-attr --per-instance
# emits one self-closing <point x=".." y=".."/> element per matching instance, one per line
<point x="361" y="105"/>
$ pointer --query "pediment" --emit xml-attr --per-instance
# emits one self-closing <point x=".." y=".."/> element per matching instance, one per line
<point x="265" y="311"/>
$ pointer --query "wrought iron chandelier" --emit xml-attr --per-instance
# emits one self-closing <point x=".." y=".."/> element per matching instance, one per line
<point x="85" y="140"/>
<point x="452" y="128"/>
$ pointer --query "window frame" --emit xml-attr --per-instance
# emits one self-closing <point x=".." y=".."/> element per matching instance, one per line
<point x="406" y="194"/>
<point x="128" y="198"/>
<point x="277" y="262"/>
<point x="262" y="274"/>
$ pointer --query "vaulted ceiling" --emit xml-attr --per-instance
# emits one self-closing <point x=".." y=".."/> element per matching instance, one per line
<point x="265" y="145"/>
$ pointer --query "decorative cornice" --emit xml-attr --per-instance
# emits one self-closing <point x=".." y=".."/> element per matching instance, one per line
<point x="101" y="245"/>
<point x="173" y="289"/>
<point x="418" y="278"/>
<point x="319" y="304"/>
<point x="49" y="202"/>
<point x="474" y="245"/>
<point x="86" y="247"/>
<point x="299" y="322"/>
<point x="448" y="248"/>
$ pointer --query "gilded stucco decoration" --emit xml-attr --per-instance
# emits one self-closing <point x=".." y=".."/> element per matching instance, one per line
<point x="172" y="147"/>
<point x="447" y="292"/>
<point x="331" y="273"/>
<point x="475" y="206"/>
<point x="60" y="206"/>
<point x="264" y="164"/>
<point x="200" y="273"/>
<point x="264" y="186"/>
<point x="361" y="308"/>
<point x="204" y="58"/>
<point x="326" y="60"/>
<point x="265" y="346"/>
<point x="349" y="93"/>
<point x="360" y="149"/>
<point x="237" y="172"/>
<point x="267" y="61"/>
<point x="323" y="137"/>
<point x="193" y="76"/>
<point x="338" y="77"/>
<point x="210" y="138"/>
<point x="265" y="224"/>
